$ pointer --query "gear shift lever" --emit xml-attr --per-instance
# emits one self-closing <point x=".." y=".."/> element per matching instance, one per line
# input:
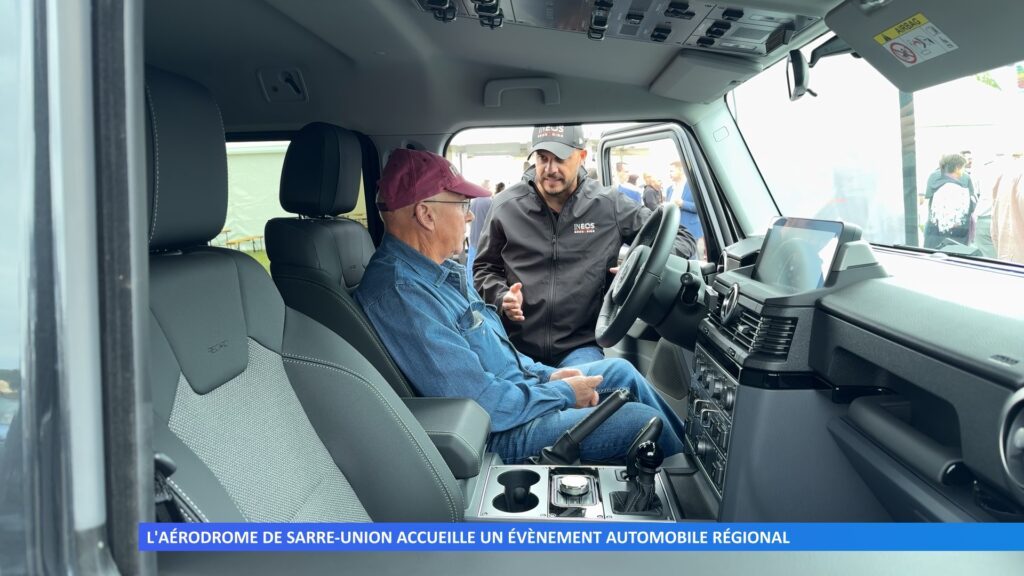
<point x="640" y="498"/>
<point x="651" y="431"/>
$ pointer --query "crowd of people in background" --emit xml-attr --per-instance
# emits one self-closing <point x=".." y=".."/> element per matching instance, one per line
<point x="975" y="212"/>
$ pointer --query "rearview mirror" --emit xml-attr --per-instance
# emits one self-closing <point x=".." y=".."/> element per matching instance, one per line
<point x="797" y="75"/>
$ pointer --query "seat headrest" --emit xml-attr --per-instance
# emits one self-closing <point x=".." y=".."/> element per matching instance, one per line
<point x="187" y="161"/>
<point x="322" y="170"/>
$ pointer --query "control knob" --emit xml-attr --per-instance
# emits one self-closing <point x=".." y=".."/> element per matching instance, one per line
<point x="703" y="447"/>
<point x="574" y="485"/>
<point x="728" y="398"/>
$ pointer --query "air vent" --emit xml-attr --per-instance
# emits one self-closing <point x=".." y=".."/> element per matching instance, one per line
<point x="768" y="335"/>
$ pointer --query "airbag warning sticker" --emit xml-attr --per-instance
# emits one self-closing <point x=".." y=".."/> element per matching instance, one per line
<point x="915" y="40"/>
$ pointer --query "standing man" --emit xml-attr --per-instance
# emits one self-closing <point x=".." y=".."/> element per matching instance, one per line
<point x="545" y="255"/>
<point x="680" y="192"/>
<point x="450" y="344"/>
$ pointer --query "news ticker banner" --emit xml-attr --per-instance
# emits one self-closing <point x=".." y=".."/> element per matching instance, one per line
<point x="580" y="536"/>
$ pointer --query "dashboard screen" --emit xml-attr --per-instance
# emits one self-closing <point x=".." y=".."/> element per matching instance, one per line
<point x="798" y="253"/>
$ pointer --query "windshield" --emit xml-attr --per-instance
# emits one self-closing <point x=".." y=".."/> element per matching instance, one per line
<point x="938" y="169"/>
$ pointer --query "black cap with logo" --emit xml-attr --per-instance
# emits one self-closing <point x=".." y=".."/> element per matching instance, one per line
<point x="559" y="140"/>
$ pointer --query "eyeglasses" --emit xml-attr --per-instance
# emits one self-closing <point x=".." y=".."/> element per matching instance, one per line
<point x="463" y="203"/>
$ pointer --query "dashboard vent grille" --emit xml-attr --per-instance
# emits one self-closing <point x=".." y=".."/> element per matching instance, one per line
<point x="768" y="335"/>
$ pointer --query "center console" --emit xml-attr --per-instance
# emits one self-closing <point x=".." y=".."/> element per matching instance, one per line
<point x="537" y="493"/>
<point x="756" y="334"/>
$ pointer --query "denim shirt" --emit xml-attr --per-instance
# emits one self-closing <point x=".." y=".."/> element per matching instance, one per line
<point x="448" y="342"/>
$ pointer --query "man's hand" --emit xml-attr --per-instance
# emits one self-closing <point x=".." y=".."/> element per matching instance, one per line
<point x="585" y="388"/>
<point x="564" y="373"/>
<point x="512" y="303"/>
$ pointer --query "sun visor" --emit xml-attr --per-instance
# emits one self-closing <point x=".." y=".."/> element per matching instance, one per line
<point x="917" y="44"/>
<point x="698" y="77"/>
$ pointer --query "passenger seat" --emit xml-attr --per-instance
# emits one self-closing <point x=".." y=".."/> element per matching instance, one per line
<point x="267" y="415"/>
<point x="318" y="258"/>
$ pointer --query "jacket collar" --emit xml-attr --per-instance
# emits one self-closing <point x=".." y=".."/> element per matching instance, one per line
<point x="421" y="265"/>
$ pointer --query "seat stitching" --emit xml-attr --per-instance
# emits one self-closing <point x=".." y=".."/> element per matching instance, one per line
<point x="476" y="455"/>
<point x="187" y="499"/>
<point x="156" y="164"/>
<point x="318" y="363"/>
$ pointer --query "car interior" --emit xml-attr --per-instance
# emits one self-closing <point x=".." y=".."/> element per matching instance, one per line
<point x="823" y="376"/>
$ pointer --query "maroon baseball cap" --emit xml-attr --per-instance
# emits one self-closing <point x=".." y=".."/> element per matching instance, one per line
<point x="414" y="175"/>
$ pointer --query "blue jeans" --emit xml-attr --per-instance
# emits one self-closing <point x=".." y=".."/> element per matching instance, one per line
<point x="583" y="355"/>
<point x="610" y="441"/>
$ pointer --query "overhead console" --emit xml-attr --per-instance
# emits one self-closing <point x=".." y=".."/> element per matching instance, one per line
<point x="716" y="27"/>
<point x="757" y="331"/>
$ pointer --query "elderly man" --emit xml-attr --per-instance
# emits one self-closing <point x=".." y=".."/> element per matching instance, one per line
<point x="449" y="343"/>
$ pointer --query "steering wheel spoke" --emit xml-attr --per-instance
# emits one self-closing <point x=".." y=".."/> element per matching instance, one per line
<point x="638" y="276"/>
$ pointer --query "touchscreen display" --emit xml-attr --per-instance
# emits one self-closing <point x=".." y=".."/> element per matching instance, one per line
<point x="798" y="253"/>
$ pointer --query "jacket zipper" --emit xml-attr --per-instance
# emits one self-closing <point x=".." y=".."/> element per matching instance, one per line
<point x="548" y="344"/>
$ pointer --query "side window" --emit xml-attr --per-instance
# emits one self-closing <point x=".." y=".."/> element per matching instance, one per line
<point x="653" y="172"/>
<point x="16" y="202"/>
<point x="254" y="181"/>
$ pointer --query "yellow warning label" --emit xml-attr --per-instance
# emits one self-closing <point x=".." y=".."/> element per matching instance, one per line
<point x="902" y="28"/>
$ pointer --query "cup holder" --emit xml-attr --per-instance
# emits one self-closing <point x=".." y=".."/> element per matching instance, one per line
<point x="517" y="496"/>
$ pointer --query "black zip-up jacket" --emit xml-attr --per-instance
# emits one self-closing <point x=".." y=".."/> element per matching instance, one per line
<point x="561" y="260"/>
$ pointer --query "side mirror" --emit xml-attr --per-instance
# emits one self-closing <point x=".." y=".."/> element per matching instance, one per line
<point x="797" y="75"/>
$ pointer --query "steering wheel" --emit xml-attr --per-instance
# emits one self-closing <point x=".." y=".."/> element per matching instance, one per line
<point x="638" y="276"/>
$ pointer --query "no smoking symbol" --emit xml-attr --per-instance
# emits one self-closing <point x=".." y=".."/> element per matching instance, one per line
<point x="903" y="52"/>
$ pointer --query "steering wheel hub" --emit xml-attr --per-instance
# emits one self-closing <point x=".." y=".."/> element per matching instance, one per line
<point x="638" y="276"/>
<point x="626" y="277"/>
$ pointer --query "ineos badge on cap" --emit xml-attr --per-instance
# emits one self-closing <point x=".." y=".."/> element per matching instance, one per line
<point x="729" y="307"/>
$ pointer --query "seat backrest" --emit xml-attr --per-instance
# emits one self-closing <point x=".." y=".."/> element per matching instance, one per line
<point x="318" y="258"/>
<point x="268" y="415"/>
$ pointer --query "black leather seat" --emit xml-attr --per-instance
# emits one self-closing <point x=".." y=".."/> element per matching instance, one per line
<point x="318" y="258"/>
<point x="268" y="415"/>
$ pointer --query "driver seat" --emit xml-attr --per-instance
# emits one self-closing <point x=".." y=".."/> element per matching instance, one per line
<point x="267" y="415"/>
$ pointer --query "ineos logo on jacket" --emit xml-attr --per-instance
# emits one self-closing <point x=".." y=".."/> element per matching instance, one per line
<point x="584" y="228"/>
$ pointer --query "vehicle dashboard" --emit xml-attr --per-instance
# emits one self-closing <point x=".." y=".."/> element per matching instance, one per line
<point x="894" y="388"/>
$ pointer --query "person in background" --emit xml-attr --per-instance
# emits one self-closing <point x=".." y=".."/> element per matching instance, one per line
<point x="981" y="238"/>
<point x="680" y="192"/>
<point x="498" y="188"/>
<point x="621" y="173"/>
<point x="630" y="189"/>
<point x="480" y="207"/>
<point x="968" y="175"/>
<point x="1008" y="212"/>
<point x="653" y="196"/>
<point x="451" y="345"/>
<point x="950" y="203"/>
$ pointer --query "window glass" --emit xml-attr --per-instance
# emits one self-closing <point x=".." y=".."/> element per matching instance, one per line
<point x="863" y="152"/>
<point x="254" y="180"/>
<point x="16" y="150"/>
<point x="653" y="172"/>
